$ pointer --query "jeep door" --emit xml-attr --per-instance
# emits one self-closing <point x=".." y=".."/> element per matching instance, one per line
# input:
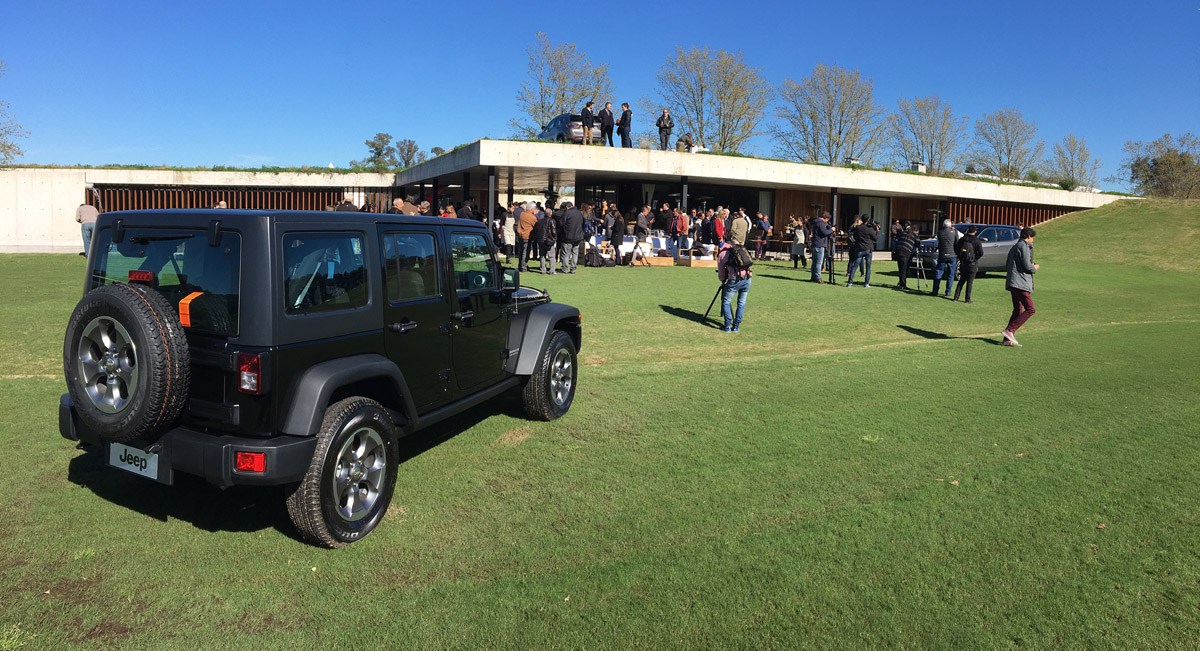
<point x="416" y="311"/>
<point x="480" y="329"/>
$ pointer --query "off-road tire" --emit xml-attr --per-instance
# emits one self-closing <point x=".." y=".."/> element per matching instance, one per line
<point x="315" y="504"/>
<point x="548" y="393"/>
<point x="137" y="384"/>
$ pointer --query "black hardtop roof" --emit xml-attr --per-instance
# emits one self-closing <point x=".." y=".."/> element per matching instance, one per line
<point x="231" y="217"/>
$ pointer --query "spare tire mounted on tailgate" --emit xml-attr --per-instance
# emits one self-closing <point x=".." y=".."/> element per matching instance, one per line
<point x="126" y="361"/>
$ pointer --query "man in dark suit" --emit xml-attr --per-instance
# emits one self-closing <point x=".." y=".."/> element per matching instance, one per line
<point x="606" y="123"/>
<point x="625" y="126"/>
<point x="589" y="121"/>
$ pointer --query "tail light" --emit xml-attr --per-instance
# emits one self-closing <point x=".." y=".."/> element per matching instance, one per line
<point x="250" y="379"/>
<point x="250" y="461"/>
<point x="576" y="125"/>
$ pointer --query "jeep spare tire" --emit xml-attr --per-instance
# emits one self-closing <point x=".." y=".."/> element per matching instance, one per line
<point x="126" y="361"/>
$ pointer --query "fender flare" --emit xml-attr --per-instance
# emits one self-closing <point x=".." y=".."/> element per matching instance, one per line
<point x="540" y="324"/>
<point x="311" y="393"/>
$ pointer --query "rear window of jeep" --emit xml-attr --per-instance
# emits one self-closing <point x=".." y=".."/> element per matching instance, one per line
<point x="201" y="281"/>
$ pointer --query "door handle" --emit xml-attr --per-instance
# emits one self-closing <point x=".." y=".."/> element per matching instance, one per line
<point x="403" y="327"/>
<point x="462" y="316"/>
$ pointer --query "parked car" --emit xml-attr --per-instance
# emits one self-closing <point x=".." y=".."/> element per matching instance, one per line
<point x="295" y="349"/>
<point x="996" y="241"/>
<point x="568" y="128"/>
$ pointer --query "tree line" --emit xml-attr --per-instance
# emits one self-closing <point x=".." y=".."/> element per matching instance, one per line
<point x="831" y="116"/>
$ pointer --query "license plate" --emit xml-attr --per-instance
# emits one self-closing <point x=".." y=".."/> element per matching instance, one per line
<point x="133" y="460"/>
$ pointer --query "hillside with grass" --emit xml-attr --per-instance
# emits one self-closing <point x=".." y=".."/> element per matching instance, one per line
<point x="857" y="468"/>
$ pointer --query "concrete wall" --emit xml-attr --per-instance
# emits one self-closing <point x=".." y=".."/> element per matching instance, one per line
<point x="37" y="205"/>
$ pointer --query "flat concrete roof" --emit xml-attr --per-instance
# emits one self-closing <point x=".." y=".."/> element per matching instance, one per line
<point x="535" y="165"/>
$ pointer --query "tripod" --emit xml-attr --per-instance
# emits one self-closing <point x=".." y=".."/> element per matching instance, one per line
<point x="720" y="288"/>
<point x="920" y="271"/>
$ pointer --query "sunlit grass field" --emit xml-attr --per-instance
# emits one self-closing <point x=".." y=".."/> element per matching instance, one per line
<point x="857" y="468"/>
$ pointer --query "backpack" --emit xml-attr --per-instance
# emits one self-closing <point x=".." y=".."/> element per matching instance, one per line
<point x="966" y="253"/>
<point x="739" y="257"/>
<point x="593" y="259"/>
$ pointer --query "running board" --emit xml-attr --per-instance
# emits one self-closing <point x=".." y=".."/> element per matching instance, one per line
<point x="459" y="406"/>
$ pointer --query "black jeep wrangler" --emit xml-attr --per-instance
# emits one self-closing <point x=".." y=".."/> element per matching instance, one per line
<point x="293" y="348"/>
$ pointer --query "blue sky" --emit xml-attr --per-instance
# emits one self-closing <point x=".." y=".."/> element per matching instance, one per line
<point x="305" y="83"/>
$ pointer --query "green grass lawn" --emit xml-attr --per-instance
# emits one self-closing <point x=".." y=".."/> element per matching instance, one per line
<point x="858" y="468"/>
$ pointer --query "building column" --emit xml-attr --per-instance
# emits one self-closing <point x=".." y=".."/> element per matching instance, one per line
<point x="466" y="186"/>
<point x="491" y="211"/>
<point x="683" y="195"/>
<point x="434" y="208"/>
<point x="510" y="187"/>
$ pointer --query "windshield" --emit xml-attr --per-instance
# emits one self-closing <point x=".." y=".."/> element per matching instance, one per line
<point x="201" y="281"/>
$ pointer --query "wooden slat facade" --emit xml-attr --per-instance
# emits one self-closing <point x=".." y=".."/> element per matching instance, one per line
<point x="152" y="197"/>
<point x="996" y="212"/>
<point x="798" y="203"/>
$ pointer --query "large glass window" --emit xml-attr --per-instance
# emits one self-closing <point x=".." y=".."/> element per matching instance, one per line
<point x="412" y="270"/>
<point x="182" y="267"/>
<point x="323" y="272"/>
<point x="474" y="267"/>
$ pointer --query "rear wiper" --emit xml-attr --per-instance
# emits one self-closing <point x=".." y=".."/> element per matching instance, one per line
<point x="143" y="239"/>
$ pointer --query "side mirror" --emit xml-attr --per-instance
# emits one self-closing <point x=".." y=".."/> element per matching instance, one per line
<point x="983" y="239"/>
<point x="512" y="280"/>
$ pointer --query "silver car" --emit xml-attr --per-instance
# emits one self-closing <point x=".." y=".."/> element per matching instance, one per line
<point x="569" y="128"/>
<point x="996" y="241"/>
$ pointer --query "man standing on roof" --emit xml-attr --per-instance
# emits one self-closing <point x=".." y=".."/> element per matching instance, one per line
<point x="665" y="125"/>
<point x="625" y="126"/>
<point x="606" y="124"/>
<point x="589" y="120"/>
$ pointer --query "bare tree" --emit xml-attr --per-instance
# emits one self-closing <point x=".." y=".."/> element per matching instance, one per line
<point x="1072" y="164"/>
<point x="716" y="96"/>
<point x="1006" y="145"/>
<point x="381" y="154"/>
<point x="828" y="116"/>
<point x="561" y="80"/>
<point x="409" y="153"/>
<point x="924" y="129"/>
<point x="9" y="129"/>
<point x="1167" y="167"/>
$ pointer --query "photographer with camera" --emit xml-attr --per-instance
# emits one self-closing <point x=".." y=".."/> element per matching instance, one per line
<point x="795" y="229"/>
<point x="863" y="234"/>
<point x="947" y="261"/>
<point x="969" y="251"/>
<point x="906" y="245"/>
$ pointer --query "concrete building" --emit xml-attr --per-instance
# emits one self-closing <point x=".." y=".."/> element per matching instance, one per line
<point x="490" y="170"/>
<point x="37" y="205"/>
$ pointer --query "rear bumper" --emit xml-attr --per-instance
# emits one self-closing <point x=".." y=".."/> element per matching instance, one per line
<point x="207" y="455"/>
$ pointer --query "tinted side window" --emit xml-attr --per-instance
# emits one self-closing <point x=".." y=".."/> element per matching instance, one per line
<point x="412" y="270"/>
<point x="474" y="267"/>
<point x="323" y="272"/>
<point x="988" y="234"/>
<point x="1006" y="235"/>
